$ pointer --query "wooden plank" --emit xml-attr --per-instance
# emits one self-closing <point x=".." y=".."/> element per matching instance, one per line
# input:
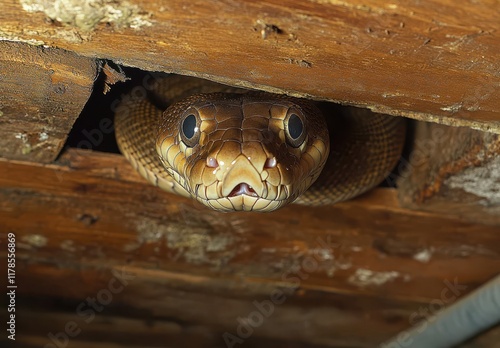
<point x="42" y="92"/>
<point x="113" y="331"/>
<point x="453" y="169"/>
<point x="430" y="60"/>
<point x="354" y="274"/>
<point x="108" y="330"/>
<point x="162" y="297"/>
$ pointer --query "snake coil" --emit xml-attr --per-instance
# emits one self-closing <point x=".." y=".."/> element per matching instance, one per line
<point x="234" y="150"/>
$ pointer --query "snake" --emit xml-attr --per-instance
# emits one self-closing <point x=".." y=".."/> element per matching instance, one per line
<point x="233" y="149"/>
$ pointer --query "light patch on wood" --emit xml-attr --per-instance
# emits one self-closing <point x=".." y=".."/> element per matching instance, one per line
<point x="423" y="256"/>
<point x="86" y="15"/>
<point x="323" y="254"/>
<point x="35" y="240"/>
<point x="5" y="36"/>
<point x="483" y="182"/>
<point x="195" y="244"/>
<point x="364" y="277"/>
<point x="42" y="136"/>
<point x="452" y="108"/>
<point x="26" y="146"/>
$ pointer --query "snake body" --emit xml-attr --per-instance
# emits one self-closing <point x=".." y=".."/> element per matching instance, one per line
<point x="234" y="150"/>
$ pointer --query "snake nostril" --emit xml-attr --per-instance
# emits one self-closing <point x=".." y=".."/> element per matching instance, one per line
<point x="270" y="163"/>
<point x="212" y="162"/>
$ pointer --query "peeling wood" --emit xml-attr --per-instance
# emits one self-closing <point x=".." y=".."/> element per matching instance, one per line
<point x="85" y="16"/>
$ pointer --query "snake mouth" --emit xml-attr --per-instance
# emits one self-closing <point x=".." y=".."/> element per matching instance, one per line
<point x="244" y="198"/>
<point x="243" y="189"/>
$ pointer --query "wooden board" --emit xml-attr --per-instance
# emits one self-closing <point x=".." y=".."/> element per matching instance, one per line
<point x="353" y="274"/>
<point x="429" y="59"/>
<point x="452" y="168"/>
<point x="42" y="92"/>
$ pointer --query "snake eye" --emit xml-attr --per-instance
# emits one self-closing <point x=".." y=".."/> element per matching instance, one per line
<point x="295" y="129"/>
<point x="190" y="130"/>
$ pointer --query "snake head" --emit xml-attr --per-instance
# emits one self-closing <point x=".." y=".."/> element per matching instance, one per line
<point x="243" y="152"/>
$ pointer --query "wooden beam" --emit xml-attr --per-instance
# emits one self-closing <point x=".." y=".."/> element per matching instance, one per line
<point x="429" y="60"/>
<point x="112" y="330"/>
<point x="452" y="168"/>
<point x="42" y="92"/>
<point x="353" y="274"/>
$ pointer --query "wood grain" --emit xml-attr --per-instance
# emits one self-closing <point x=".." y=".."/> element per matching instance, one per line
<point x="354" y="274"/>
<point x="429" y="59"/>
<point x="452" y="168"/>
<point x="42" y="92"/>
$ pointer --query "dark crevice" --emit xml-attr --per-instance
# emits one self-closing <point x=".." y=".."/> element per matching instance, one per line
<point x="93" y="129"/>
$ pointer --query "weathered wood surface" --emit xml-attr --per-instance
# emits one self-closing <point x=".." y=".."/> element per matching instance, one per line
<point x="42" y="92"/>
<point x="111" y="328"/>
<point x="353" y="274"/>
<point x="114" y="330"/>
<point x="453" y="168"/>
<point x="430" y="59"/>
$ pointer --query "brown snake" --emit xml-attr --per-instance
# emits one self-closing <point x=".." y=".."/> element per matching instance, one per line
<point x="235" y="150"/>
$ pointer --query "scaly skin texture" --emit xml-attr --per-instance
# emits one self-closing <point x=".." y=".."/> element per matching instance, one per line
<point x="241" y="156"/>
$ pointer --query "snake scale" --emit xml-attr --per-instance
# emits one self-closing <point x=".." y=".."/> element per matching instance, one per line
<point x="238" y="150"/>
